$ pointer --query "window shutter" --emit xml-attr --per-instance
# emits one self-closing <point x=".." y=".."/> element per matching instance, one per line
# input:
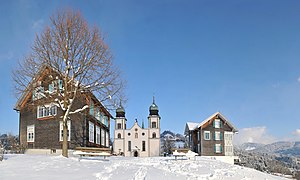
<point x="215" y="148"/>
<point x="221" y="124"/>
<point x="214" y="135"/>
<point x="221" y="149"/>
<point x="214" y="123"/>
<point x="221" y="136"/>
<point x="50" y="88"/>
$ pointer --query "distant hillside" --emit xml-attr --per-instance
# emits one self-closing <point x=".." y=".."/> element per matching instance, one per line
<point x="279" y="157"/>
<point x="277" y="148"/>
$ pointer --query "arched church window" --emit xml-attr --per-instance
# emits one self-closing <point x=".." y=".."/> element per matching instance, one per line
<point x="136" y="135"/>
<point x="154" y="135"/>
<point x="153" y="124"/>
<point x="119" y="135"/>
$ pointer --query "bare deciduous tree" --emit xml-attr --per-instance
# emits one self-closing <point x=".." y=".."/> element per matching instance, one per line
<point x="76" y="54"/>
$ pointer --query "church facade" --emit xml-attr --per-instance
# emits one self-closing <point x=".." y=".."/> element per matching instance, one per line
<point x="137" y="141"/>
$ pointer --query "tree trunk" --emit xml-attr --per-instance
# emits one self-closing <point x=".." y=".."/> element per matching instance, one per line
<point x="65" y="137"/>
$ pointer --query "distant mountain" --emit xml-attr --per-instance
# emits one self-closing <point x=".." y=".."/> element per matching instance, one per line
<point x="167" y="134"/>
<point x="279" y="157"/>
<point x="277" y="148"/>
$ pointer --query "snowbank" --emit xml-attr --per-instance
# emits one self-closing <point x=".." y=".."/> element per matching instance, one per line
<point x="36" y="167"/>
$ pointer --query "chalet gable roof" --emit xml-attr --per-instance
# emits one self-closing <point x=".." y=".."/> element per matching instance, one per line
<point x="221" y="116"/>
<point x="26" y="94"/>
<point x="191" y="126"/>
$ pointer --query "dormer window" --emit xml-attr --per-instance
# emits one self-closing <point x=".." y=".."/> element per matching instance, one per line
<point x="217" y="123"/>
<point x="38" y="93"/>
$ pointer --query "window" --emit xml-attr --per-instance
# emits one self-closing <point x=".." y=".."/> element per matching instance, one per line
<point x="107" y="139"/>
<point x="129" y="145"/>
<point x="98" y="114"/>
<point x="153" y="124"/>
<point x="119" y="135"/>
<point x="217" y="123"/>
<point x="105" y="121"/>
<point x="206" y="135"/>
<point x="30" y="133"/>
<point x="92" y="108"/>
<point x="143" y="134"/>
<point x="102" y="137"/>
<point x="218" y="148"/>
<point x="91" y="132"/>
<point x="143" y="145"/>
<point x="218" y="135"/>
<point x="119" y="126"/>
<point x="154" y="135"/>
<point x="46" y="111"/>
<point x="136" y="135"/>
<point x="129" y="134"/>
<point x="97" y="135"/>
<point x="38" y="93"/>
<point x="61" y="130"/>
<point x="52" y="88"/>
<point x="198" y="135"/>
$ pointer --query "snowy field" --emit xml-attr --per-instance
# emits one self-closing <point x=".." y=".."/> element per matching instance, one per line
<point x="33" y="167"/>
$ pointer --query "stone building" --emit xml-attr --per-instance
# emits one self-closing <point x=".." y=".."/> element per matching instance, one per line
<point x="137" y="141"/>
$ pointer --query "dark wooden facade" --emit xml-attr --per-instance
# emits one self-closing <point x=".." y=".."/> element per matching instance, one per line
<point x="196" y="136"/>
<point x="47" y="129"/>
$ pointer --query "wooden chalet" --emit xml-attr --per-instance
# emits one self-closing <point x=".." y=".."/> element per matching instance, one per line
<point x="211" y="137"/>
<point x="40" y="120"/>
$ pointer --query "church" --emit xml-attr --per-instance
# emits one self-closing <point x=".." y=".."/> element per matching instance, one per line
<point x="137" y="141"/>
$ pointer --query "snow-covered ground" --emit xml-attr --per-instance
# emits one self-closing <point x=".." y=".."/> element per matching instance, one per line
<point x="33" y="167"/>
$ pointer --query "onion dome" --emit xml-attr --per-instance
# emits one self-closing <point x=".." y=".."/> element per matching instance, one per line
<point x="153" y="109"/>
<point x="120" y="111"/>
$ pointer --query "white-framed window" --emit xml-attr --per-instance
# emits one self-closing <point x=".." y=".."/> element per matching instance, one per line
<point x="97" y="135"/>
<point x="38" y="93"/>
<point x="46" y="110"/>
<point x="30" y="133"/>
<point x="52" y="87"/>
<point x="206" y="135"/>
<point x="61" y="130"/>
<point x="218" y="135"/>
<point x="91" y="131"/>
<point x="218" y="148"/>
<point x="217" y="123"/>
<point x="107" y="139"/>
<point x="102" y="137"/>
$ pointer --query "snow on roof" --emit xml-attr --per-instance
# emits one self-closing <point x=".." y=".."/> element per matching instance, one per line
<point x="220" y="116"/>
<point x="192" y="125"/>
<point x="189" y="127"/>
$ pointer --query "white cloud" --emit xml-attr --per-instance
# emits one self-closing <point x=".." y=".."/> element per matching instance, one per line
<point x="297" y="132"/>
<point x="255" y="135"/>
<point x="38" y="24"/>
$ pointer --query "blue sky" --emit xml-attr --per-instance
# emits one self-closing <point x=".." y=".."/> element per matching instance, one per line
<point x="238" y="57"/>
